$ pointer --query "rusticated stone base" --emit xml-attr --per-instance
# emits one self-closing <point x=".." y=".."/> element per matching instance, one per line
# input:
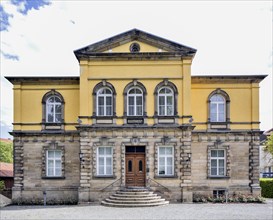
<point x="80" y="183"/>
<point x="256" y="190"/>
<point x="52" y="197"/>
<point x="95" y="188"/>
<point x="187" y="196"/>
<point x="241" y="157"/>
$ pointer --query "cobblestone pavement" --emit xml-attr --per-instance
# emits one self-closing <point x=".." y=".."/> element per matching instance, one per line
<point x="172" y="211"/>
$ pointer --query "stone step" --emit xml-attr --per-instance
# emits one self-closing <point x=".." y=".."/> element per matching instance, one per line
<point x="150" y="201"/>
<point x="140" y="189"/>
<point x="133" y="204"/>
<point x="134" y="195"/>
<point x="134" y="198"/>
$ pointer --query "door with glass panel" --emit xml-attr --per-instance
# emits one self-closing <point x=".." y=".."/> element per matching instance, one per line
<point x="135" y="166"/>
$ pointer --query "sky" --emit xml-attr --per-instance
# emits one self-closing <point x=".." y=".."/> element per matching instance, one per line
<point x="38" y="38"/>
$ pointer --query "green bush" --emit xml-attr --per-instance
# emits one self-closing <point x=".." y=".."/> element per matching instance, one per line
<point x="267" y="187"/>
<point x="233" y="198"/>
<point x="6" y="152"/>
<point x="2" y="185"/>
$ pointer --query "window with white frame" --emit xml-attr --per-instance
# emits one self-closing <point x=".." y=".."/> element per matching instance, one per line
<point x="53" y="109"/>
<point x="105" y="161"/>
<point x="217" y="163"/>
<point x="165" y="102"/>
<point x="135" y="102"/>
<point x="165" y="161"/>
<point x="104" y="102"/>
<point x="54" y="163"/>
<point x="217" y="108"/>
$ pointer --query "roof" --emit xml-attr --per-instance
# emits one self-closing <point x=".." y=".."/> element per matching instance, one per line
<point x="6" y="169"/>
<point x="96" y="49"/>
<point x="268" y="132"/>
<point x="265" y="134"/>
<point x="43" y="79"/>
<point x="195" y="79"/>
<point x="228" y="78"/>
<point x="5" y="140"/>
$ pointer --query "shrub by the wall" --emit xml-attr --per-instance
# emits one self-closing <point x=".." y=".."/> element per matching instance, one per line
<point x="232" y="198"/>
<point x="267" y="187"/>
<point x="2" y="185"/>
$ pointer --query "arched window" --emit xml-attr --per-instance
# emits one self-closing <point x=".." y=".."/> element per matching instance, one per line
<point x="135" y="99"/>
<point x="135" y="102"/>
<point x="165" y="102"/>
<point x="218" y="106"/>
<point x="104" y="102"/>
<point x="165" y="95"/>
<point x="53" y="107"/>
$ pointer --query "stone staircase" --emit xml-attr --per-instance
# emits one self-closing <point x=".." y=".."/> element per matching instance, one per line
<point x="134" y="197"/>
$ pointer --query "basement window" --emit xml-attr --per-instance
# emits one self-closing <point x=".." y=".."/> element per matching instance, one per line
<point x="218" y="193"/>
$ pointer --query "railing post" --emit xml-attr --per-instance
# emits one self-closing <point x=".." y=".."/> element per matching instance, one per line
<point x="44" y="193"/>
<point x="226" y="194"/>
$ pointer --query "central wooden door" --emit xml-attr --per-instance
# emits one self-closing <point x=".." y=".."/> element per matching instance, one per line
<point x="135" y="169"/>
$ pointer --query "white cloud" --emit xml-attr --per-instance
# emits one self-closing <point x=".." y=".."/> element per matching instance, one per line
<point x="230" y="37"/>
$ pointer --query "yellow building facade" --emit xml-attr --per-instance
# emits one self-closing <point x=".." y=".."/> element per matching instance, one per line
<point x="135" y="117"/>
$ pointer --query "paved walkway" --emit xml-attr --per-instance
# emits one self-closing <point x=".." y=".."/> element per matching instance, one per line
<point x="4" y="201"/>
<point x="172" y="211"/>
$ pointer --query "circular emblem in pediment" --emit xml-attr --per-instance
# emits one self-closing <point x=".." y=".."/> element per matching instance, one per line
<point x="134" y="48"/>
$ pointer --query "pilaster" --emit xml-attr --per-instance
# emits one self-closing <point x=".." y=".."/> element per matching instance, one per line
<point x="18" y="162"/>
<point x="254" y="164"/>
<point x="186" y="175"/>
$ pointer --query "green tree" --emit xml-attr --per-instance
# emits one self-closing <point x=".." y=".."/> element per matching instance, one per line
<point x="269" y="144"/>
<point x="6" y="152"/>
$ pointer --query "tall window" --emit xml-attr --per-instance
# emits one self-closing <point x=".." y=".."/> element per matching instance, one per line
<point x="217" y="108"/>
<point x="104" y="99"/>
<point x="217" y="163"/>
<point x="165" y="161"/>
<point x="54" y="109"/>
<point x="104" y="102"/>
<point x="165" y="102"/>
<point x="105" y="161"/>
<point x="135" y="102"/>
<point x="54" y="163"/>
<point x="165" y="98"/>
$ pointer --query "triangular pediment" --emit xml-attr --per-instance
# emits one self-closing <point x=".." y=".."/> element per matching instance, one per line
<point x="143" y="48"/>
<point x="148" y="43"/>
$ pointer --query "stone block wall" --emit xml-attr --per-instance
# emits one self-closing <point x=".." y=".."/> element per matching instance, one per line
<point x="94" y="188"/>
<point x="241" y="163"/>
<point x="80" y="183"/>
<point x="30" y="169"/>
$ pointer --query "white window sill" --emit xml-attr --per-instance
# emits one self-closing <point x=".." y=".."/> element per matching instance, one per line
<point x="53" y="177"/>
<point x="218" y="177"/>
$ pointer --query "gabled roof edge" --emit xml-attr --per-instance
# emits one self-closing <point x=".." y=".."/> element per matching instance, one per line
<point x="250" y="78"/>
<point x="131" y="35"/>
<point x="18" y="79"/>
